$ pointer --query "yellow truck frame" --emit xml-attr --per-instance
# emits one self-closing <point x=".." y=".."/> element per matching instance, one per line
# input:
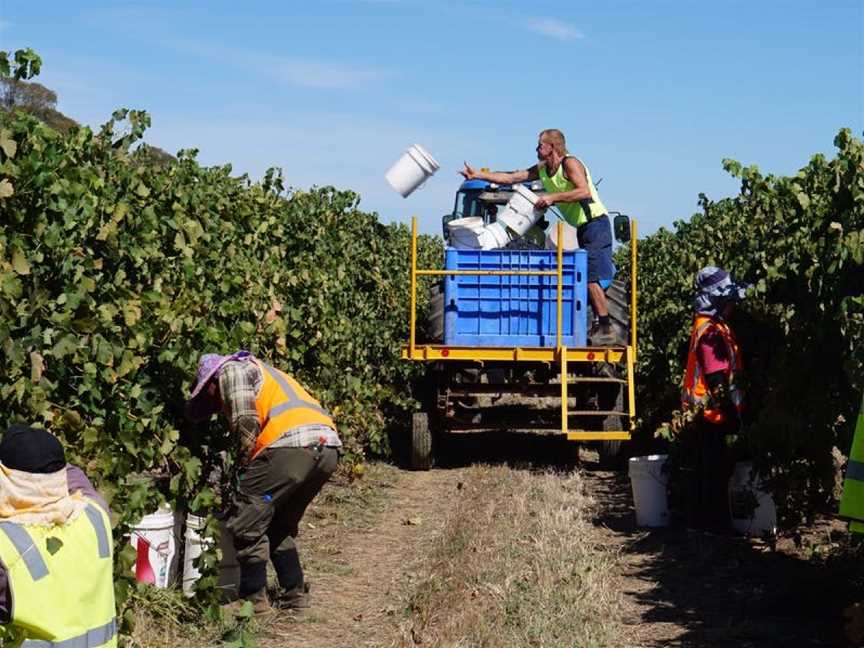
<point x="560" y="355"/>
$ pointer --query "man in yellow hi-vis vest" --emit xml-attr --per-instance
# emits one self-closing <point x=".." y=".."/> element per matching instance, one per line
<point x="852" y="501"/>
<point x="56" y="577"/>
<point x="288" y="450"/>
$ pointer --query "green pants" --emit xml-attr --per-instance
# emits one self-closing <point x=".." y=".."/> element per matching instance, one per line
<point x="274" y="492"/>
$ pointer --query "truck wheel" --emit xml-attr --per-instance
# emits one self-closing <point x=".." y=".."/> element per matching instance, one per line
<point x="435" y="320"/>
<point x="421" y="442"/>
<point x="611" y="452"/>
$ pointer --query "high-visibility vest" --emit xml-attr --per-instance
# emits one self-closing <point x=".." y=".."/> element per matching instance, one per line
<point x="283" y="404"/>
<point x="694" y="391"/>
<point x="575" y="213"/>
<point x="61" y="579"/>
<point x="852" y="501"/>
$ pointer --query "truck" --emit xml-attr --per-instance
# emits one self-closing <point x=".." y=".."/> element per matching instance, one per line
<point x="505" y="341"/>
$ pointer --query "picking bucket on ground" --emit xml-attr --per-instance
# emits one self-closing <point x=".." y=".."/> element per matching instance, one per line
<point x="752" y="509"/>
<point x="229" y="570"/>
<point x="519" y="213"/>
<point x="156" y="546"/>
<point x="411" y="170"/>
<point x="649" y="490"/>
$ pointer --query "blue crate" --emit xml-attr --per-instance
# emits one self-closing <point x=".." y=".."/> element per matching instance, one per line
<point x="513" y="311"/>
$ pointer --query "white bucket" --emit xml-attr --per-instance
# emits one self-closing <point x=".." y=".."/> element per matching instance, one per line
<point x="157" y="550"/>
<point x="570" y="241"/>
<point x="229" y="570"/>
<point x="471" y="234"/>
<point x="519" y="213"/>
<point x="411" y="170"/>
<point x="194" y="547"/>
<point x="752" y="510"/>
<point x="649" y="490"/>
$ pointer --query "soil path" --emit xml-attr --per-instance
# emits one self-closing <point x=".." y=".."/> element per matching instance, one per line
<point x="692" y="588"/>
<point x="680" y="587"/>
<point x="359" y="576"/>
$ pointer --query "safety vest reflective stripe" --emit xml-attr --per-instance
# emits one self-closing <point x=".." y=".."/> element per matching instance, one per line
<point x="855" y="470"/>
<point x="293" y="401"/>
<point x="23" y="543"/>
<point x="99" y="528"/>
<point x="91" y="639"/>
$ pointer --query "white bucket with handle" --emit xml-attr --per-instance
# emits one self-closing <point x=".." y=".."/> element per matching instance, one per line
<point x="649" y="490"/>
<point x="156" y="548"/>
<point x="752" y="509"/>
<point x="519" y="213"/>
<point x="411" y="170"/>
<point x="472" y="234"/>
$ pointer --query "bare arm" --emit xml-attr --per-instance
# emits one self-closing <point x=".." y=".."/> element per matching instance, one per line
<point x="574" y="171"/>
<point x="501" y="177"/>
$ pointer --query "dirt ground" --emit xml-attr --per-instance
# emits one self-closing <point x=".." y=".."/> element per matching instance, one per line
<point x="679" y="587"/>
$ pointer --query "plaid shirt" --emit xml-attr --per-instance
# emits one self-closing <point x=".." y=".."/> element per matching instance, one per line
<point x="239" y="385"/>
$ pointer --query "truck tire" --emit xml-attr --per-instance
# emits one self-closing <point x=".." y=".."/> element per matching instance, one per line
<point x="420" y="453"/>
<point x="435" y="320"/>
<point x="611" y="452"/>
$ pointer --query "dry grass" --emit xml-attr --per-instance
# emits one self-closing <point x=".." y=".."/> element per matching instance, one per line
<point x="517" y="565"/>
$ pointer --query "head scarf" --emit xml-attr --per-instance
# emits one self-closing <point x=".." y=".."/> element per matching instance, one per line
<point x="714" y="289"/>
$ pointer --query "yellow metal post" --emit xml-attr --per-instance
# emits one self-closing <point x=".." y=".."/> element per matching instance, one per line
<point x="560" y="284"/>
<point x="633" y="271"/>
<point x="412" y="339"/>
<point x="562" y="350"/>
<point x="631" y="391"/>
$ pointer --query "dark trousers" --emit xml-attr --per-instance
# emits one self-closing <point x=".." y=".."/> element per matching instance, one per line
<point x="706" y="467"/>
<point x="274" y="492"/>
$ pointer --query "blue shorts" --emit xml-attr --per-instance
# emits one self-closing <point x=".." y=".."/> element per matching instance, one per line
<point x="595" y="237"/>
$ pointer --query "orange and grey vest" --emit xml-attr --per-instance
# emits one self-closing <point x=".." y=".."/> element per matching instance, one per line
<point x="694" y="391"/>
<point x="61" y="579"/>
<point x="282" y="404"/>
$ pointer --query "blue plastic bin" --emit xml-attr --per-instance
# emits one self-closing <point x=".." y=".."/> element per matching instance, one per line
<point x="509" y="311"/>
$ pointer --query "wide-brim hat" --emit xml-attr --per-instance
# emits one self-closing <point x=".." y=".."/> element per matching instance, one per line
<point x="200" y="405"/>
<point x="715" y="288"/>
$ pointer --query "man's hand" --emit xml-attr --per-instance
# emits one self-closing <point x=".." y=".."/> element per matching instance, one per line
<point x="469" y="173"/>
<point x="544" y="201"/>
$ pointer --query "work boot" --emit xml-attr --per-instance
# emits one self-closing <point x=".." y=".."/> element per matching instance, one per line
<point x="603" y="336"/>
<point x="260" y="604"/>
<point x="297" y="598"/>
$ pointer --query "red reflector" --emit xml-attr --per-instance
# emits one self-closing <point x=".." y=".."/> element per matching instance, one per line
<point x="445" y="352"/>
<point x="590" y="355"/>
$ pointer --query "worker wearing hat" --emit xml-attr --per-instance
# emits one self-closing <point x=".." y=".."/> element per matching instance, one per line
<point x="712" y="388"/>
<point x="56" y="573"/>
<point x="288" y="448"/>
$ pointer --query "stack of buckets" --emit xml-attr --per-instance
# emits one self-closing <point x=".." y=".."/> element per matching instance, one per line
<point x="155" y="539"/>
<point x="411" y="170"/>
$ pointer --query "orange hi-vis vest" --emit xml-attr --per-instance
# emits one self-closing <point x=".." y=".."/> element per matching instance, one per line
<point x="695" y="392"/>
<point x="282" y="404"/>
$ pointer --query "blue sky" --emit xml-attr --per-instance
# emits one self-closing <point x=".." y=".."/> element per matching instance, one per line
<point x="651" y="95"/>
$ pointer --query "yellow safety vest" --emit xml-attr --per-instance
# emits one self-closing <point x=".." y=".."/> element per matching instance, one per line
<point x="282" y="404"/>
<point x="61" y="579"/>
<point x="575" y="213"/>
<point x="852" y="501"/>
